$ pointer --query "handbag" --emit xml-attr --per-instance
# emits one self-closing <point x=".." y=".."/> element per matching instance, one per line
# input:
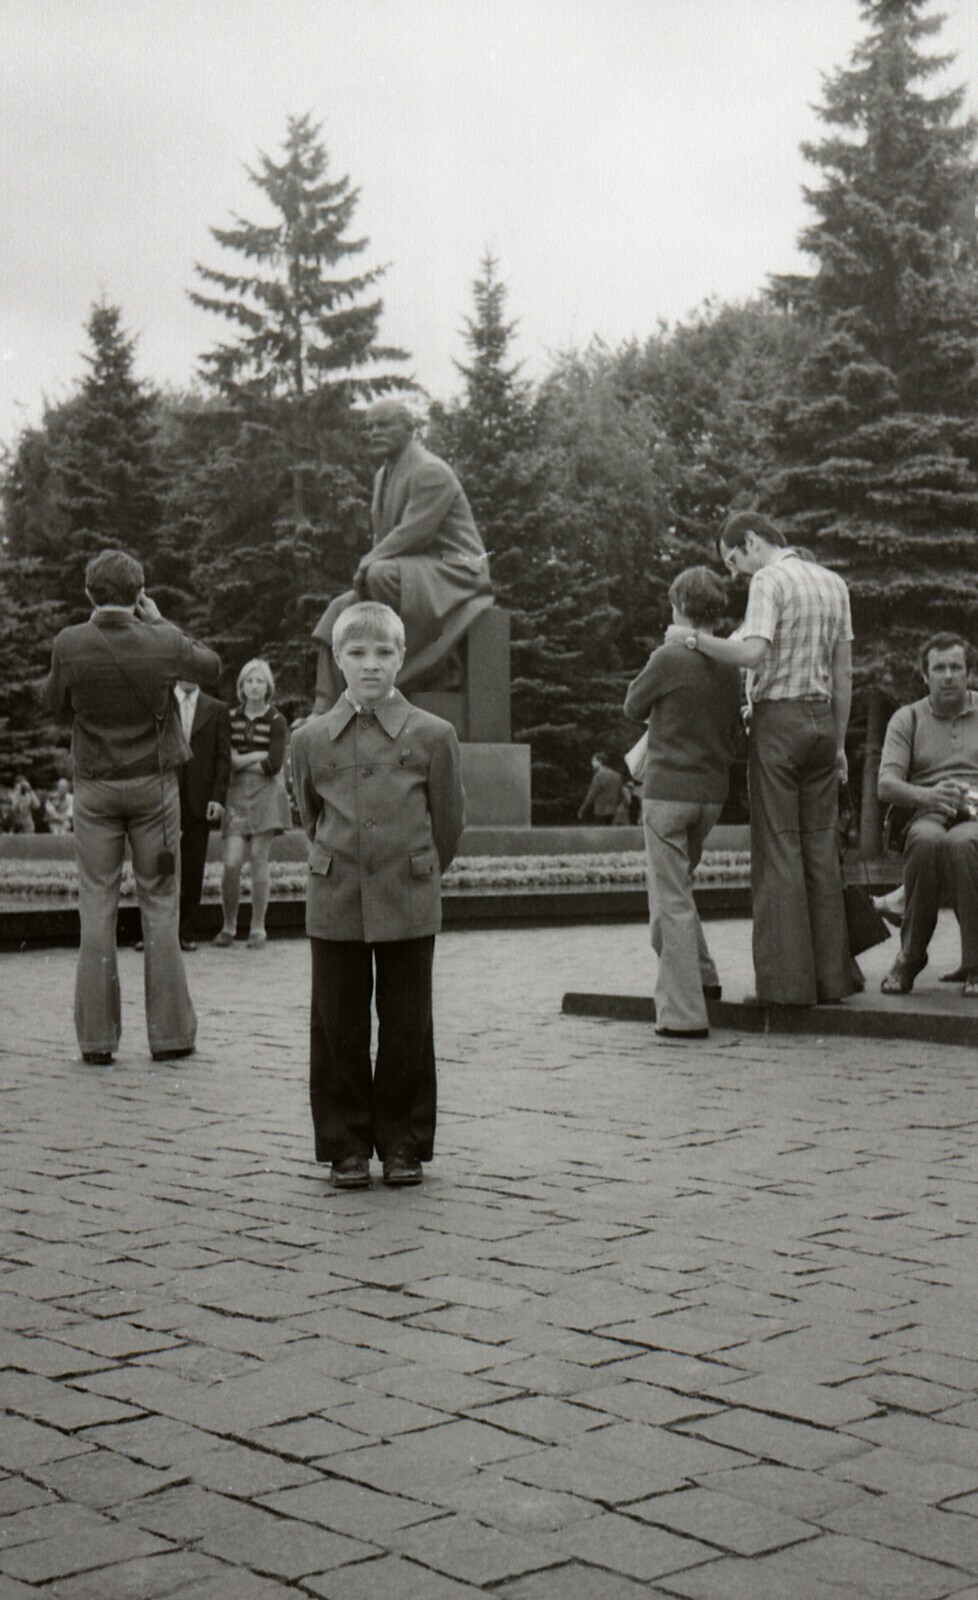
<point x="864" y="924"/>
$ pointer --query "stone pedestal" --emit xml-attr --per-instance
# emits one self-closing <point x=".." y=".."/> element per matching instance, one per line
<point x="497" y="785"/>
<point x="496" y="773"/>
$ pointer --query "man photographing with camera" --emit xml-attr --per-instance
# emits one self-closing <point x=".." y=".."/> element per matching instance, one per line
<point x="112" y="678"/>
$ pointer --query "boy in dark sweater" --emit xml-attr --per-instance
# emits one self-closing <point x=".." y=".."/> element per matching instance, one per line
<point x="693" y="710"/>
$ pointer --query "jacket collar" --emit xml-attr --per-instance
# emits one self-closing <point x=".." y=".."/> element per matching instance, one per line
<point x="392" y="714"/>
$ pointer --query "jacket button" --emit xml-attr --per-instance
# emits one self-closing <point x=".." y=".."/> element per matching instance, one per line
<point x="368" y="823"/>
<point x="368" y="772"/>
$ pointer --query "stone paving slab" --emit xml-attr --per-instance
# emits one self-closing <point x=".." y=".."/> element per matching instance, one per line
<point x="662" y="1321"/>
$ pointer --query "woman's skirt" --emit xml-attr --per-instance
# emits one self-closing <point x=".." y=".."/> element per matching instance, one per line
<point x="256" y="803"/>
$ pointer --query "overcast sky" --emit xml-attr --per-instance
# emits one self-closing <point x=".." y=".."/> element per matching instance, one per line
<point x="625" y="159"/>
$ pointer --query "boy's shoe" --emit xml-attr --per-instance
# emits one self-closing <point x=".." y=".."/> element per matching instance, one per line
<point x="401" y="1169"/>
<point x="683" y="1033"/>
<point x="173" y="1055"/>
<point x="97" y="1058"/>
<point x="353" y="1172"/>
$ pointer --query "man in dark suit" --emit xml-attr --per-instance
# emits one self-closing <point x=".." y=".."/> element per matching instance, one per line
<point x="203" y="783"/>
<point x="112" y="678"/>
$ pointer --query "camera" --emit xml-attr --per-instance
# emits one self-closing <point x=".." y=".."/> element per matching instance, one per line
<point x="166" y="864"/>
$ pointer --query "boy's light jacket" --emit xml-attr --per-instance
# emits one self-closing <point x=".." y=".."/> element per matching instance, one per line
<point x="380" y="795"/>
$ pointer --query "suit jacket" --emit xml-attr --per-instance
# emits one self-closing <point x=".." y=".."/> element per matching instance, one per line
<point x="422" y="519"/>
<point x="112" y="691"/>
<point x="381" y="800"/>
<point x="206" y="775"/>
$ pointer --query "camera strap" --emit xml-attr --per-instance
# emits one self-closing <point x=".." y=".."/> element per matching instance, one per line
<point x="159" y="722"/>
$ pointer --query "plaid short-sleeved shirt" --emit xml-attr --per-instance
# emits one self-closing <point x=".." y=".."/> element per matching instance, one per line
<point x="802" y="610"/>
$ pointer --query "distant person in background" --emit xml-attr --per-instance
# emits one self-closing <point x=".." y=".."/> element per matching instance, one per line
<point x="59" y="807"/>
<point x="257" y="804"/>
<point x="203" y="790"/>
<point x="693" y="710"/>
<point x="605" y="793"/>
<point x="22" y="806"/>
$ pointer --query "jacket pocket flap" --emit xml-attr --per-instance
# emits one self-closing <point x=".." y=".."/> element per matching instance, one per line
<point x="424" y="863"/>
<point x="320" y="859"/>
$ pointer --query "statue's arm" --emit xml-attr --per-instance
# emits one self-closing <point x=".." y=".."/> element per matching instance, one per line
<point x="430" y="496"/>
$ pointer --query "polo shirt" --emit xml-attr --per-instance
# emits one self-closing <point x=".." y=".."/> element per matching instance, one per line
<point x="921" y="747"/>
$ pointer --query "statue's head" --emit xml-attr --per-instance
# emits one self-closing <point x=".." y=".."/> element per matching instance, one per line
<point x="388" y="425"/>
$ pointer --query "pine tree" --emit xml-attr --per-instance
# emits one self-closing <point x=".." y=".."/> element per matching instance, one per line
<point x="108" y="483"/>
<point x="879" y="451"/>
<point x="282" y="512"/>
<point x="557" y="603"/>
<point x="87" y="478"/>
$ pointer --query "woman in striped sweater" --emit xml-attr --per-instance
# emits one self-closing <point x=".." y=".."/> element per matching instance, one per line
<point x="257" y="805"/>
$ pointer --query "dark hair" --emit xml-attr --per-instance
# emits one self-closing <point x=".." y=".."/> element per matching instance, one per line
<point x="943" y="641"/>
<point x="602" y="756"/>
<point x="114" y="578"/>
<point x="700" y="595"/>
<point x="733" y="534"/>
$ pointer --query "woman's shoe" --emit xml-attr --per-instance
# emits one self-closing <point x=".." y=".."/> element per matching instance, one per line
<point x="257" y="939"/>
<point x="899" y="979"/>
<point x="224" y="940"/>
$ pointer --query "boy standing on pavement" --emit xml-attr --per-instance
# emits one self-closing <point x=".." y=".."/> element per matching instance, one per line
<point x="379" y="790"/>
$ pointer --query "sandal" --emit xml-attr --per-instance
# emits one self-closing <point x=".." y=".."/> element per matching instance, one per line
<point x="970" y="990"/>
<point x="899" y="979"/>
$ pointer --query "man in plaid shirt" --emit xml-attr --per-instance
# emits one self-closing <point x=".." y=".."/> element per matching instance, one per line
<point x="795" y="642"/>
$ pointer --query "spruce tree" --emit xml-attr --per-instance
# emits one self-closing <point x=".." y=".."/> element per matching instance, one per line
<point x="879" y="448"/>
<point x="87" y="478"/>
<point x="491" y="434"/>
<point x="284" y="512"/>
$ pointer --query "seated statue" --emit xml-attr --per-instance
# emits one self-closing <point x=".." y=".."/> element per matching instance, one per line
<point x="427" y="562"/>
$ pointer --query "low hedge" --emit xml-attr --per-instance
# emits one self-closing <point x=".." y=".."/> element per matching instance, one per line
<point x="58" y="880"/>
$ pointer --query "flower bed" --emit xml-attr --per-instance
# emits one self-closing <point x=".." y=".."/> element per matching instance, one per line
<point x="58" y="880"/>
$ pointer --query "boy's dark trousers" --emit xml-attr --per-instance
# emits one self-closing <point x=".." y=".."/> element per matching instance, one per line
<point x="354" y="1112"/>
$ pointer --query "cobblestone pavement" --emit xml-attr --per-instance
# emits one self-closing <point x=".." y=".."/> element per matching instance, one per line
<point x="663" y="1320"/>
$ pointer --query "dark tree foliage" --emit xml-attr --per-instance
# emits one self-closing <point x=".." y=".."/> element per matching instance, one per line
<point x="88" y="478"/>
<point x="714" y="383"/>
<point x="879" y="448"/>
<point x="279" y="504"/>
<point x="107" y="478"/>
<point x="516" y="455"/>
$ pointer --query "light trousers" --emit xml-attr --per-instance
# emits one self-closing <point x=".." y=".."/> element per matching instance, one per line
<point x="674" y="834"/>
<point x="107" y="813"/>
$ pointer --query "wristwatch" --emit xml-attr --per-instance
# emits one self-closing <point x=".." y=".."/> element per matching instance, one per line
<point x="692" y="641"/>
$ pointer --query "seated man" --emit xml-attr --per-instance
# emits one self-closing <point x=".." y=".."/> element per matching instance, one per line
<point x="427" y="563"/>
<point x="930" y="766"/>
